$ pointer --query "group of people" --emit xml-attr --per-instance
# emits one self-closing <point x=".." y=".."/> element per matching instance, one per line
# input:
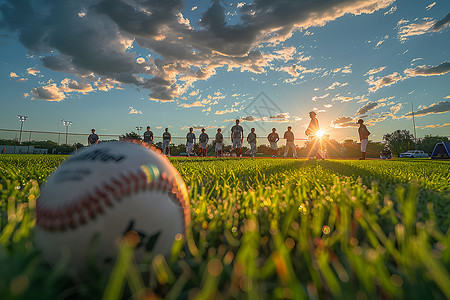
<point x="237" y="138"/>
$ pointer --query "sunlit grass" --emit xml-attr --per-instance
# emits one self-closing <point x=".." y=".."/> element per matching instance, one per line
<point x="260" y="229"/>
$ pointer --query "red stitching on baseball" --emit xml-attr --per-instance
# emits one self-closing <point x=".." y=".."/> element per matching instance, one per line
<point x="94" y="203"/>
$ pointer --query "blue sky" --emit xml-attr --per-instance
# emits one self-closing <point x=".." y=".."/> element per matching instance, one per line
<point x="114" y="65"/>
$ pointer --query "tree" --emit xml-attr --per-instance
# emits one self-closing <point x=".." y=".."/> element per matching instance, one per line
<point x="399" y="141"/>
<point x="130" y="136"/>
<point x="428" y="142"/>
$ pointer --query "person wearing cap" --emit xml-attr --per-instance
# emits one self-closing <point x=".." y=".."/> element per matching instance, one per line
<point x="203" y="142"/>
<point x="92" y="138"/>
<point x="363" y="137"/>
<point x="251" y="139"/>
<point x="148" y="136"/>
<point x="289" y="136"/>
<point x="167" y="138"/>
<point x="311" y="132"/>
<point x="273" y="139"/>
<point x="237" y="136"/>
<point x="190" y="141"/>
<point x="219" y="142"/>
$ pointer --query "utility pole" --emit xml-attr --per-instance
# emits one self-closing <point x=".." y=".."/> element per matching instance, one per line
<point x="414" y="125"/>
<point x="22" y="119"/>
<point x="66" y="124"/>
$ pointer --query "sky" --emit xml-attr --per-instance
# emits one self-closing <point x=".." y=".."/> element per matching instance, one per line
<point x="113" y="65"/>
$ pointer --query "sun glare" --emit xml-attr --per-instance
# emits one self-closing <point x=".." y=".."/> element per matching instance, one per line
<point x="320" y="133"/>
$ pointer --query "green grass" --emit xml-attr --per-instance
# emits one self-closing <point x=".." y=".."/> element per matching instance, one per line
<point x="261" y="229"/>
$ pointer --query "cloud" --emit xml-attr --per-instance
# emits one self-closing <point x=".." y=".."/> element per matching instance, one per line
<point x="50" y="93"/>
<point x="379" y="82"/>
<point x="368" y="107"/>
<point x="435" y="108"/>
<point x="429" y="70"/>
<point x="336" y="85"/>
<point x="344" y="122"/>
<point x="328" y="105"/>
<point x="342" y="98"/>
<point x="33" y="71"/>
<point x="315" y="98"/>
<point x="430" y="6"/>
<point x="134" y="111"/>
<point x="85" y="37"/>
<point x="375" y="70"/>
<point x="441" y="24"/>
<point x="391" y="11"/>
<point x="434" y="126"/>
<point x="194" y="104"/>
<point x="226" y="111"/>
<point x="395" y="109"/>
<point x="406" y="29"/>
<point x="13" y="75"/>
<point x="68" y="85"/>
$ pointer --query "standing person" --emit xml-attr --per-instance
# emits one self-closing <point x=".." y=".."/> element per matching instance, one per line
<point x="167" y="138"/>
<point x="203" y="142"/>
<point x="92" y="138"/>
<point x="148" y="136"/>
<point x="190" y="141"/>
<point x="363" y="137"/>
<point x="311" y="132"/>
<point x="289" y="136"/>
<point x="237" y="137"/>
<point x="219" y="142"/>
<point x="251" y="139"/>
<point x="273" y="140"/>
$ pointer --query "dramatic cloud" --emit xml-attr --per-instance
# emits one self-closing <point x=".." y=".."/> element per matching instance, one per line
<point x="395" y="109"/>
<point x="441" y="24"/>
<point x="336" y="85"/>
<point x="391" y="11"/>
<point x="13" y="75"/>
<point x="97" y="37"/>
<point x="194" y="104"/>
<point x="435" y="108"/>
<point x="430" y="6"/>
<point x="342" y="98"/>
<point x="406" y="29"/>
<point x="379" y="82"/>
<point x="68" y="86"/>
<point x="344" y="122"/>
<point x="134" y="111"/>
<point x="226" y="111"/>
<point x="429" y="71"/>
<point x="315" y="98"/>
<point x="368" y="107"/>
<point x="374" y="71"/>
<point x="434" y="126"/>
<point x="50" y="93"/>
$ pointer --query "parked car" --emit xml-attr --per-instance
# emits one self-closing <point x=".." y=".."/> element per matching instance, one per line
<point x="414" y="154"/>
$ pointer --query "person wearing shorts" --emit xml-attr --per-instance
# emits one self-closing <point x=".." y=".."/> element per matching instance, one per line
<point x="363" y="137"/>
<point x="167" y="138"/>
<point x="237" y="136"/>
<point x="203" y="142"/>
<point x="93" y="138"/>
<point x="273" y="140"/>
<point x="219" y="142"/>
<point x="190" y="141"/>
<point x="289" y="136"/>
<point x="148" y="136"/>
<point x="251" y="139"/>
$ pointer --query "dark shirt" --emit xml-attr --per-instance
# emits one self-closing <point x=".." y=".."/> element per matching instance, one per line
<point x="289" y="136"/>
<point x="313" y="127"/>
<point x="219" y="137"/>
<point x="251" y="138"/>
<point x="203" y="138"/>
<point x="237" y="132"/>
<point x="273" y="137"/>
<point x="167" y="136"/>
<point x="148" y="136"/>
<point x="190" y="137"/>
<point x="92" y="139"/>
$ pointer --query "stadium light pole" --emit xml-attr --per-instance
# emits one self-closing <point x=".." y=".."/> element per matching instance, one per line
<point x="67" y="124"/>
<point x="22" y="120"/>
<point x="139" y="128"/>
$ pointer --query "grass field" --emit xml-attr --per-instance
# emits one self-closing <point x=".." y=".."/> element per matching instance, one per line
<point x="261" y="229"/>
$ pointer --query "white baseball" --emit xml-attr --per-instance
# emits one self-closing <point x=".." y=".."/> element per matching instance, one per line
<point x="107" y="190"/>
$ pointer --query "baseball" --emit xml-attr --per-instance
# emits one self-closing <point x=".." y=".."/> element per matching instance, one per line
<point x="100" y="194"/>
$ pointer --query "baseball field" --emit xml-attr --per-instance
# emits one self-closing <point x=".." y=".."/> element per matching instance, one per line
<point x="260" y="229"/>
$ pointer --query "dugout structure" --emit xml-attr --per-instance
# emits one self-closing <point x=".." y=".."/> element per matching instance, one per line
<point x="441" y="151"/>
